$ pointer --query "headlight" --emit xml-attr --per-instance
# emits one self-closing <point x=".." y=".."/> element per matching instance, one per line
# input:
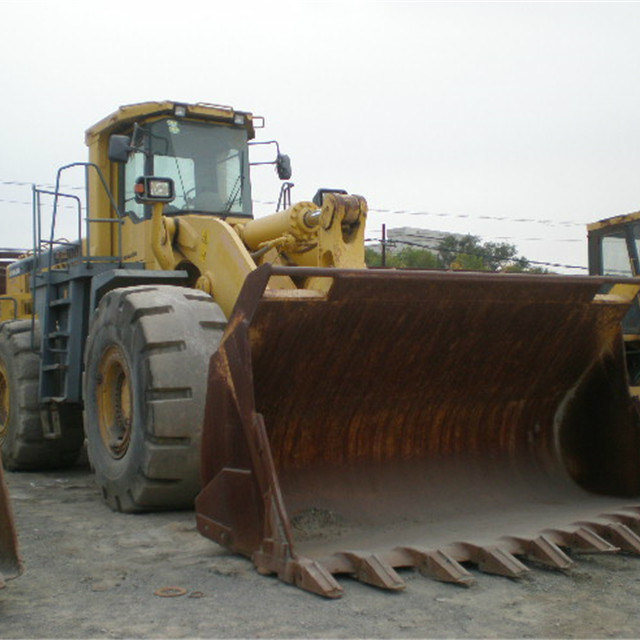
<point x="149" y="189"/>
<point x="159" y="188"/>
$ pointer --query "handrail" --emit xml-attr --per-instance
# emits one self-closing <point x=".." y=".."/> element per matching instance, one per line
<point x="118" y="217"/>
<point x="38" y="241"/>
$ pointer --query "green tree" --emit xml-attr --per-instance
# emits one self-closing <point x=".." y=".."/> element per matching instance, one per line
<point x="372" y="258"/>
<point x="467" y="253"/>
<point x="406" y="258"/>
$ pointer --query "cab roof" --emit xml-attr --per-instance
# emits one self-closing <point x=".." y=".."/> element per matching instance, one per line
<point x="614" y="221"/>
<point x="130" y="113"/>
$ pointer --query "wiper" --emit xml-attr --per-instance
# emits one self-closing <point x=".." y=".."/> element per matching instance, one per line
<point x="235" y="192"/>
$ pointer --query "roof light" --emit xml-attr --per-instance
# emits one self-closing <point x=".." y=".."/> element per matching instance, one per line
<point x="180" y="111"/>
<point x="238" y="119"/>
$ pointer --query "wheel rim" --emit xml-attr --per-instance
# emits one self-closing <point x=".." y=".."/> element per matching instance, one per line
<point x="114" y="401"/>
<point x="5" y="402"/>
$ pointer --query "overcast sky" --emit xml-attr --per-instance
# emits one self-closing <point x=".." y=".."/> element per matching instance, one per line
<point x="471" y="110"/>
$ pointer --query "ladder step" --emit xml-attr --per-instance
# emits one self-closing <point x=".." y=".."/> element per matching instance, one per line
<point x="51" y="350"/>
<point x="58" y="334"/>
<point x="58" y="399"/>
<point x="59" y="366"/>
<point x="59" y="302"/>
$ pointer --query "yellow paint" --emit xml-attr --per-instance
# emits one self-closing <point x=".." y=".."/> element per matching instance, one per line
<point x="614" y="221"/>
<point x="5" y="401"/>
<point x="626" y="291"/>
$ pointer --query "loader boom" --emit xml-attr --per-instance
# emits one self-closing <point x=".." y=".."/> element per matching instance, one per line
<point x="303" y="235"/>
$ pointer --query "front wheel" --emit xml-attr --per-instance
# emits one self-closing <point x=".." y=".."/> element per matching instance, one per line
<point x="146" y="366"/>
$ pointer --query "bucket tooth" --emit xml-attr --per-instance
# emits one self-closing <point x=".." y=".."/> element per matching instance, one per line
<point x="497" y="561"/>
<point x="583" y="540"/>
<point x="589" y="541"/>
<point x="632" y="520"/>
<point x="544" y="551"/>
<point x="439" y="566"/>
<point x="311" y="576"/>
<point x="373" y="570"/>
<point x="630" y="517"/>
<point x="622" y="536"/>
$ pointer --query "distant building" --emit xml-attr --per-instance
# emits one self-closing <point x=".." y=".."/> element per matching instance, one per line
<point x="399" y="238"/>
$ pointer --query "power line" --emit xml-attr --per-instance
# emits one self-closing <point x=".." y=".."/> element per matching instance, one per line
<point x="546" y="221"/>
<point x="19" y="183"/>
<point x="24" y="202"/>
<point x="513" y="238"/>
<point x="421" y="236"/>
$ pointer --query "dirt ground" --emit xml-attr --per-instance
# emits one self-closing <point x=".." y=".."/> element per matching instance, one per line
<point x="92" y="573"/>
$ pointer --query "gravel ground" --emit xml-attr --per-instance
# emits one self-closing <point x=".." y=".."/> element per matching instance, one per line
<point x="92" y="573"/>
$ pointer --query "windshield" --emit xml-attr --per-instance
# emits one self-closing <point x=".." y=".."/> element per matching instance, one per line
<point x="616" y="260"/>
<point x="208" y="164"/>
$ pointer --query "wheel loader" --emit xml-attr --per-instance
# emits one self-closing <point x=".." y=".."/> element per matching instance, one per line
<point x="326" y="418"/>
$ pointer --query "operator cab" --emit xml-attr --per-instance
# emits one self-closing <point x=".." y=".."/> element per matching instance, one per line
<point x="203" y="148"/>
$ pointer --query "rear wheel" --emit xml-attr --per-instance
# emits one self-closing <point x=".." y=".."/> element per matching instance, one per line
<point x="24" y="446"/>
<point x="146" y="366"/>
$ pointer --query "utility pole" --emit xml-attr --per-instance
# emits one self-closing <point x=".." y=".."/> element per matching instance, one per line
<point x="384" y="245"/>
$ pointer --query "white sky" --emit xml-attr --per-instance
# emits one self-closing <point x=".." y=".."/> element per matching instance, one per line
<point x="510" y="110"/>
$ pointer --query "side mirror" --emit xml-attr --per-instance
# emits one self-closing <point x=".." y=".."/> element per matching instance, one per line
<point x="119" y="148"/>
<point x="283" y="166"/>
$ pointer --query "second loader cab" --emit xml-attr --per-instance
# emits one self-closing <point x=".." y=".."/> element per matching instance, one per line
<point x="614" y="249"/>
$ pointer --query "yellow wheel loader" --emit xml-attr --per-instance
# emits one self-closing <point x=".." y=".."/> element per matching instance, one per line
<point x="335" y="419"/>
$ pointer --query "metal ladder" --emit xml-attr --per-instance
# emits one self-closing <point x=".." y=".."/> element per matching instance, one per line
<point x="65" y="283"/>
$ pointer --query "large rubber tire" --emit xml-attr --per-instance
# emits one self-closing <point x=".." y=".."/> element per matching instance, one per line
<point x="24" y="447"/>
<point x="145" y="381"/>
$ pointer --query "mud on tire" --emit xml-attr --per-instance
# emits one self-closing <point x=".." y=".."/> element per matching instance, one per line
<point x="24" y="446"/>
<point x="146" y="366"/>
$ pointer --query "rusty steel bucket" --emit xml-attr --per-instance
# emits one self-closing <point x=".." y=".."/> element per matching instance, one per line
<point x="421" y="419"/>
<point x="10" y="565"/>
